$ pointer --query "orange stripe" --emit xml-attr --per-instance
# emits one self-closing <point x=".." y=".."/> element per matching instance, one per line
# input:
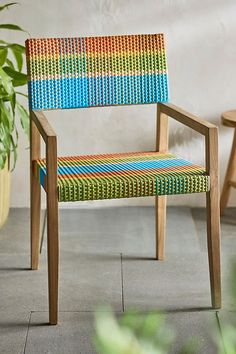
<point x="104" y="157"/>
<point x="108" y="44"/>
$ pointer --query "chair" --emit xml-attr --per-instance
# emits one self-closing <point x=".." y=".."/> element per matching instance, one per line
<point x="102" y="71"/>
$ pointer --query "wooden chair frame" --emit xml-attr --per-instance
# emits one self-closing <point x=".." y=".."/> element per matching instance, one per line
<point x="39" y="126"/>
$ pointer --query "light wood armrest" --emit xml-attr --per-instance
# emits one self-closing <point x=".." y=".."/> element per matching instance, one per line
<point x="42" y="124"/>
<point x="186" y="118"/>
<point x="210" y="132"/>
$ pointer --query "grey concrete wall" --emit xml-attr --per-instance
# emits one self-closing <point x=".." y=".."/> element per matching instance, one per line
<point x="201" y="37"/>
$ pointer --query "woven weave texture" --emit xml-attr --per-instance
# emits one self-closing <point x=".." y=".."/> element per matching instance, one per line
<point x="96" y="71"/>
<point x="125" y="175"/>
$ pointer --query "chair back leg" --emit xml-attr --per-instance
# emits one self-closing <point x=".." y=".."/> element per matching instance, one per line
<point x="35" y="196"/>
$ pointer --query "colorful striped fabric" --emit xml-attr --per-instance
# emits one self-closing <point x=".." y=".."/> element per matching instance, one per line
<point x="96" y="71"/>
<point x="125" y="175"/>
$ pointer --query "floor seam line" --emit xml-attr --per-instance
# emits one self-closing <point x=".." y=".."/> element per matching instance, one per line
<point x="122" y="282"/>
<point x="220" y="330"/>
<point x="43" y="231"/>
<point x="27" y="333"/>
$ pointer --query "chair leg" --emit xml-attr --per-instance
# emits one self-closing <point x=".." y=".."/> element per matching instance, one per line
<point x="35" y="196"/>
<point x="35" y="209"/>
<point x="160" y="227"/>
<point x="213" y="242"/>
<point x="228" y="176"/>
<point x="53" y="256"/>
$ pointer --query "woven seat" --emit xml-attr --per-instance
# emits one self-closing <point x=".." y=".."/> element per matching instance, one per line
<point x="125" y="175"/>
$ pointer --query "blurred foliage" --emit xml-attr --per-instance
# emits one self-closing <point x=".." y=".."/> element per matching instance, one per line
<point x="134" y="333"/>
<point x="11" y="78"/>
<point x="227" y="341"/>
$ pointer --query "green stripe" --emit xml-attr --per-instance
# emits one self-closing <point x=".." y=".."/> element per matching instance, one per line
<point x="131" y="187"/>
<point x="146" y="62"/>
<point x="74" y="64"/>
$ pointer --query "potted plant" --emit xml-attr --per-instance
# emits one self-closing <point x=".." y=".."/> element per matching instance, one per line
<point x="11" y="78"/>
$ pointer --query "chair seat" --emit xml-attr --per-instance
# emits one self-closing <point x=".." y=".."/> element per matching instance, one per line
<point x="125" y="175"/>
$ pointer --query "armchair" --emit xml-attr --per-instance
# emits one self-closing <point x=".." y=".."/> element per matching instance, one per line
<point x="102" y="71"/>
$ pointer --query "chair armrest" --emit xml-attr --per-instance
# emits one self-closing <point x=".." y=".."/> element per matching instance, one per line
<point x="210" y="132"/>
<point x="42" y="124"/>
<point x="186" y="118"/>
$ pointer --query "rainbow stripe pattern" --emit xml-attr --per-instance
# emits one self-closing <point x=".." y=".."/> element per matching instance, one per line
<point x="96" y="71"/>
<point x="125" y="175"/>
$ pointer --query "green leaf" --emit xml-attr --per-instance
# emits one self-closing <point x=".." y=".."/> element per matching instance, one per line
<point x="18" y="56"/>
<point x="24" y="118"/>
<point x="19" y="79"/>
<point x="18" y="52"/>
<point x="17" y="83"/>
<point x="12" y="27"/>
<point x="14" y="46"/>
<point x="5" y="80"/>
<point x="3" y="56"/>
<point x="13" y="103"/>
<point x="7" y="5"/>
<point x="14" y="150"/>
<point x="17" y="47"/>
<point x="6" y="119"/>
<point x="3" y="157"/>
<point x="10" y="63"/>
<point x="22" y="94"/>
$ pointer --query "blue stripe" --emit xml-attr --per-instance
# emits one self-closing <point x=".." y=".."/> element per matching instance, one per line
<point x="100" y="91"/>
<point x="42" y="175"/>
<point x="138" y="89"/>
<point x="131" y="166"/>
<point x="59" y="93"/>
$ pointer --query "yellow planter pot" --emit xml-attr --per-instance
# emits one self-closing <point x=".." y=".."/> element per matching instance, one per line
<point x="5" y="178"/>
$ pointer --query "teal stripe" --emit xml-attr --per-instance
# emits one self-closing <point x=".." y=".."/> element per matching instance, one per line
<point x="120" y="167"/>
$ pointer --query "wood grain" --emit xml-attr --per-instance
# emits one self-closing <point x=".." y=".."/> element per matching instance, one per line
<point x="213" y="217"/>
<point x="43" y="125"/>
<point x="212" y="197"/>
<point x="228" y="119"/>
<point x="199" y="125"/>
<point x="162" y="135"/>
<point x="52" y="227"/>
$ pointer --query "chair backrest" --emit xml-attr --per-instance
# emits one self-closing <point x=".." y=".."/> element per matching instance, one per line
<point x="96" y="71"/>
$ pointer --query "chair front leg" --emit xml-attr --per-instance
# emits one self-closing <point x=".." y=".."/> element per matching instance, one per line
<point x="213" y="242"/>
<point x="162" y="137"/>
<point x="213" y="217"/>
<point x="35" y="196"/>
<point x="160" y="227"/>
<point x="52" y="229"/>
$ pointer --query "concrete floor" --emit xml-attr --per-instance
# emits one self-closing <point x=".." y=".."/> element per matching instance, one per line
<point x="107" y="258"/>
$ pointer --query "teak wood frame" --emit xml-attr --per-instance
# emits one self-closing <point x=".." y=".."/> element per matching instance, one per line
<point x="39" y="126"/>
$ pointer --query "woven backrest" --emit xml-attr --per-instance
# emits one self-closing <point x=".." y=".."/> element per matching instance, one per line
<point x="96" y="71"/>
